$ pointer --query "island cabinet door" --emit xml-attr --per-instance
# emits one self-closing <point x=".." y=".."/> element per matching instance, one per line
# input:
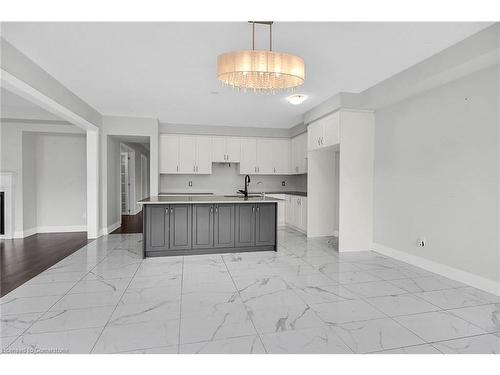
<point x="224" y="225"/>
<point x="265" y="224"/>
<point x="245" y="225"/>
<point x="180" y="226"/>
<point x="157" y="227"/>
<point x="203" y="226"/>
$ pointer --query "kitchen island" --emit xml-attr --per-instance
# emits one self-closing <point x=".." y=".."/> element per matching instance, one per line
<point x="189" y="225"/>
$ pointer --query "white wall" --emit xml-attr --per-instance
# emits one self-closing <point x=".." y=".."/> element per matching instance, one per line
<point x="113" y="184"/>
<point x="225" y="179"/>
<point x="356" y="181"/>
<point x="11" y="160"/>
<point x="437" y="175"/>
<point x="125" y="126"/>
<point x="29" y="192"/>
<point x="61" y="176"/>
<point x="321" y="194"/>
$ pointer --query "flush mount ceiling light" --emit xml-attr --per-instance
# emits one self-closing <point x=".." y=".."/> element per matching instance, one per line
<point x="260" y="70"/>
<point x="296" y="99"/>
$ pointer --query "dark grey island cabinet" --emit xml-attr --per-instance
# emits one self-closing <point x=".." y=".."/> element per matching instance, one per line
<point x="184" y="229"/>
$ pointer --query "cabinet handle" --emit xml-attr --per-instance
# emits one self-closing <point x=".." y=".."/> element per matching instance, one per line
<point x="216" y="209"/>
<point x="211" y="209"/>
<point x="258" y="208"/>
<point x="253" y="208"/>
<point x="177" y="168"/>
<point x="166" y="211"/>
<point x="274" y="170"/>
<point x="197" y="169"/>
<point x="318" y="142"/>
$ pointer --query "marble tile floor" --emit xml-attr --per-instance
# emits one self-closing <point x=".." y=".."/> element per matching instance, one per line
<point x="304" y="298"/>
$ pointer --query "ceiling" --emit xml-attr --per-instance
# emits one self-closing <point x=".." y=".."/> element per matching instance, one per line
<point x="15" y="107"/>
<point x="168" y="70"/>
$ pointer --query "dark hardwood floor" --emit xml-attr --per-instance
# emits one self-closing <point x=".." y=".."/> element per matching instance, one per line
<point x="130" y="224"/>
<point x="22" y="259"/>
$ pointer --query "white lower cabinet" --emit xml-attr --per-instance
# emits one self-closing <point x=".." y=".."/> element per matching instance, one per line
<point x="296" y="212"/>
<point x="281" y="207"/>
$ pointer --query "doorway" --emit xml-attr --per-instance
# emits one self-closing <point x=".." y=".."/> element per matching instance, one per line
<point x="128" y="181"/>
<point x="125" y="182"/>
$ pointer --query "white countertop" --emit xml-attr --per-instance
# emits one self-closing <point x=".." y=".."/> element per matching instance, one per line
<point x="193" y="199"/>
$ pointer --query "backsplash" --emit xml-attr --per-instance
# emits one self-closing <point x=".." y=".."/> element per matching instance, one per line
<point x="225" y="179"/>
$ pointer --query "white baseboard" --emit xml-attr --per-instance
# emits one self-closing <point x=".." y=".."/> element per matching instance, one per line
<point x="296" y="228"/>
<point x="112" y="227"/>
<point x="61" y="228"/>
<point x="456" y="274"/>
<point x="29" y="232"/>
<point x="49" y="229"/>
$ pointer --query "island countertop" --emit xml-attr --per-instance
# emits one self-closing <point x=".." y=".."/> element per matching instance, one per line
<point x="198" y="199"/>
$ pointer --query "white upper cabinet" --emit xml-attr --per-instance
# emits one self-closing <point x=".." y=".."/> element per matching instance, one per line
<point x="191" y="154"/>
<point x="265" y="156"/>
<point x="219" y="151"/>
<point x="299" y="154"/>
<point x="203" y="155"/>
<point x="281" y="156"/>
<point x="248" y="161"/>
<point x="194" y="154"/>
<point x="314" y="134"/>
<point x="169" y="153"/>
<point x="187" y="154"/>
<point x="331" y="130"/>
<point x="324" y="132"/>
<point x="233" y="149"/>
<point x="226" y="149"/>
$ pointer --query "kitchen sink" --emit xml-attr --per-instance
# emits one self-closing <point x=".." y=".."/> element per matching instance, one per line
<point x="242" y="196"/>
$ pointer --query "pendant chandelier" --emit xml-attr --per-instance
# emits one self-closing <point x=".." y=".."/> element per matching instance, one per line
<point x="260" y="70"/>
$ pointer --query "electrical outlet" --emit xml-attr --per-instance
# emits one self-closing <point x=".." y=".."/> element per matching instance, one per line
<point x="283" y="183"/>
<point x="421" y="242"/>
<point x="190" y="183"/>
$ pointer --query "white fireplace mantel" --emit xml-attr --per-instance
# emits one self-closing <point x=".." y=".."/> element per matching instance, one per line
<point x="7" y="186"/>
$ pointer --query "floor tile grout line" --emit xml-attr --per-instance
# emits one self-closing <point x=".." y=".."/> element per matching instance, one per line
<point x="238" y="291"/>
<point x="440" y="310"/>
<point x="180" y="308"/>
<point x="116" y="306"/>
<point x="45" y="312"/>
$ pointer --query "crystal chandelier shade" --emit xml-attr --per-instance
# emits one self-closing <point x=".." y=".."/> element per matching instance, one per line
<point x="260" y="70"/>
